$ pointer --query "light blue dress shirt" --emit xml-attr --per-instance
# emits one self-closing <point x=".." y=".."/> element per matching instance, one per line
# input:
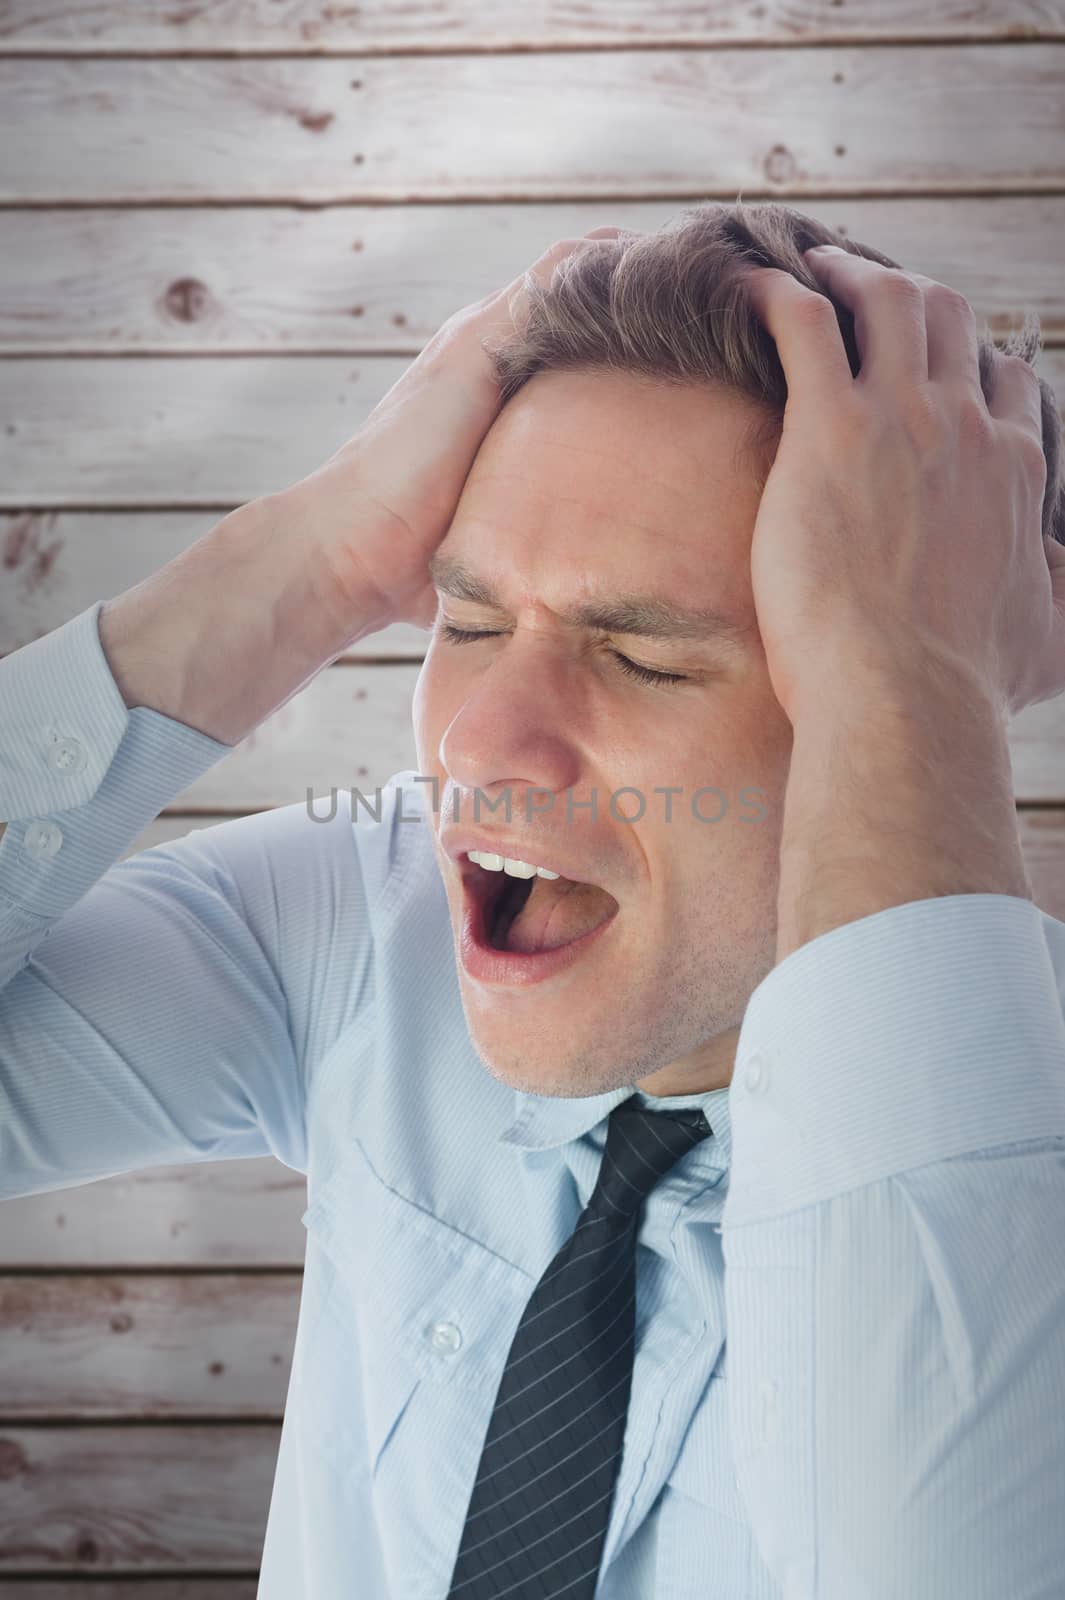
<point x="877" y="1221"/>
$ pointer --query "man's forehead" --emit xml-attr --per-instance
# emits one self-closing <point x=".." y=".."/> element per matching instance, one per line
<point x="643" y="613"/>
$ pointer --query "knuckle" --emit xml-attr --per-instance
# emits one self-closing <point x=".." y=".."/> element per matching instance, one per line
<point x="976" y="426"/>
<point x="1021" y="371"/>
<point x="897" y="289"/>
<point x="814" y="310"/>
<point x="943" y="298"/>
<point x="1030" y="453"/>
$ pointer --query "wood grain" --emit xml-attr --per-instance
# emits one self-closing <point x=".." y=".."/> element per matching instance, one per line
<point x="55" y="564"/>
<point x="297" y="195"/>
<point x="156" y="1498"/>
<point x="217" y="1214"/>
<point x="381" y="279"/>
<point x="129" y="1589"/>
<point x="1043" y="843"/>
<point x="382" y="26"/>
<point x="156" y="1346"/>
<point x="167" y="432"/>
<point x="348" y="729"/>
<point x="618" y="124"/>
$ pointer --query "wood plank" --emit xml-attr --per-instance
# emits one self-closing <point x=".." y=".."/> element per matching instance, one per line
<point x="169" y="432"/>
<point x="104" y="1347"/>
<point x="176" y="1497"/>
<point x="129" y="1589"/>
<point x="165" y="432"/>
<point x="382" y="26"/>
<point x="215" y="1213"/>
<point x="350" y="728"/>
<point x="1043" y="843"/>
<point x="592" y="124"/>
<point x="373" y="280"/>
<point x="55" y="564"/>
<point x="1037" y="752"/>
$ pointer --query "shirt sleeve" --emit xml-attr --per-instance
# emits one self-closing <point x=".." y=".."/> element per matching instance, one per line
<point x="144" y="1012"/>
<point x="894" y="1246"/>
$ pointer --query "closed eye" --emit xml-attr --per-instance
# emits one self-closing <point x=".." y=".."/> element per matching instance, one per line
<point x="644" y="674"/>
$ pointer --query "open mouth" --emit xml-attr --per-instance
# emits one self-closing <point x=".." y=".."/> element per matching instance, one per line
<point x="531" y="915"/>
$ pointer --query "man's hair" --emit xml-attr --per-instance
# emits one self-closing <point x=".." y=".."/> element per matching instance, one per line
<point x="672" y="306"/>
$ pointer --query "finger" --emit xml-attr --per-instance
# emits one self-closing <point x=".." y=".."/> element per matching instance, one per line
<point x="425" y="608"/>
<point x="542" y="270"/>
<point x="950" y="334"/>
<point x="544" y="265"/>
<point x="888" y="310"/>
<point x="500" y="311"/>
<point x="804" y="327"/>
<point x="1016" y="395"/>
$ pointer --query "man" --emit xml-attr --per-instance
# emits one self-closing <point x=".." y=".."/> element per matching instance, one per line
<point x="704" y="995"/>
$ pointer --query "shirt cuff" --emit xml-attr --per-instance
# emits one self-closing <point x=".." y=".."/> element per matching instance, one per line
<point x="81" y="774"/>
<point x="914" y="1035"/>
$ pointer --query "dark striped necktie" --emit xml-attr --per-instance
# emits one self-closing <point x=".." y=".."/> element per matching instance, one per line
<point x="540" y="1506"/>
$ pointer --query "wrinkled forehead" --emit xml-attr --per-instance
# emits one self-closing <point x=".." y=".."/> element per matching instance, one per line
<point x="678" y="618"/>
<point x="585" y="485"/>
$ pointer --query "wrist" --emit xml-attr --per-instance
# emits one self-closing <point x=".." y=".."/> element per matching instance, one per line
<point x="900" y="788"/>
<point x="903" y="680"/>
<point x="224" y="634"/>
<point x="321" y="528"/>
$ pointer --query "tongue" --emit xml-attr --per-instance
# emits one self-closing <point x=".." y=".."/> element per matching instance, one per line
<point x="557" y="912"/>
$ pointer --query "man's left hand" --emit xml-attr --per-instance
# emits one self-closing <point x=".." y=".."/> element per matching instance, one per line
<point x="899" y="529"/>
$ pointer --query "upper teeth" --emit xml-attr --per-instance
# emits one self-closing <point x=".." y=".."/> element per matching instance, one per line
<point x="516" y="868"/>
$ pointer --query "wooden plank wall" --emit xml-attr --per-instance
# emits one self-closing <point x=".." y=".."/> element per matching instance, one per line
<point x="226" y="227"/>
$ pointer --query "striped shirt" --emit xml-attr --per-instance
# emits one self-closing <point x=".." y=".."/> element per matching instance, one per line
<point x="849" y="1372"/>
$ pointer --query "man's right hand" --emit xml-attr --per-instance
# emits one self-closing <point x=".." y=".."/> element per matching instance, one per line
<point x="376" y="510"/>
<point x="240" y="621"/>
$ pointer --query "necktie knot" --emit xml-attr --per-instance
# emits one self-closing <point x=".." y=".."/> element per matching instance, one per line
<point x="540" y="1506"/>
<point x="641" y="1147"/>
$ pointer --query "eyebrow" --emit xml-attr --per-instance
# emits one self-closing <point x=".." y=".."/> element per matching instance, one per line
<point x="641" y="616"/>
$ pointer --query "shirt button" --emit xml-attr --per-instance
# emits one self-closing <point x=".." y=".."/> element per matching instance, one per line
<point x="446" y="1337"/>
<point x="41" y="840"/>
<point x="67" y="755"/>
<point x="756" y="1074"/>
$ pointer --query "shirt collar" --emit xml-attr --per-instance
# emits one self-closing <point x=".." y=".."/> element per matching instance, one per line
<point x="545" y="1122"/>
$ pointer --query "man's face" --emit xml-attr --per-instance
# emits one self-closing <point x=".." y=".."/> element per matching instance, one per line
<point x="592" y="486"/>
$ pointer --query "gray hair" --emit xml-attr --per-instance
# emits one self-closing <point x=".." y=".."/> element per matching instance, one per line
<point x="671" y="306"/>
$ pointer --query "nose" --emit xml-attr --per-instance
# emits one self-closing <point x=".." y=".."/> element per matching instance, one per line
<point x="519" y="723"/>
